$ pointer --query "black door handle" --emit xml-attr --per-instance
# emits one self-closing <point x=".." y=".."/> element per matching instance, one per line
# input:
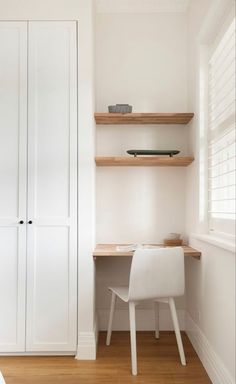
<point x="30" y="222"/>
<point x="21" y="222"/>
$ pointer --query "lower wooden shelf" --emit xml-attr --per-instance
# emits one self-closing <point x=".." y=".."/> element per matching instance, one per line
<point x="152" y="161"/>
<point x="109" y="250"/>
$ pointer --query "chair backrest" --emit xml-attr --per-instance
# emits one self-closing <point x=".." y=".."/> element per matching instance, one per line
<point x="157" y="273"/>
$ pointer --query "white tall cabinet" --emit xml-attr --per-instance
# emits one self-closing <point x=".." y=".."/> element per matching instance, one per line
<point x="38" y="186"/>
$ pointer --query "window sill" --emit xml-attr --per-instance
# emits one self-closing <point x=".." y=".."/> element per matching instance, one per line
<point x="218" y="242"/>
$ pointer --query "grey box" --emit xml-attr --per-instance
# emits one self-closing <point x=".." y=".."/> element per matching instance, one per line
<point x="120" y="108"/>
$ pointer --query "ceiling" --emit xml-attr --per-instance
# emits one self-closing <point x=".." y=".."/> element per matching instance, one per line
<point x="141" y="6"/>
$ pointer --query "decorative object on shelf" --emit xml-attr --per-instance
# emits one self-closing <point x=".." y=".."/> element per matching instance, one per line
<point x="151" y="152"/>
<point x="173" y="243"/>
<point x="174" y="236"/>
<point x="120" y="108"/>
<point x="173" y="240"/>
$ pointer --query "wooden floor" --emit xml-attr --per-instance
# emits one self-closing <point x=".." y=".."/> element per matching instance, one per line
<point x="158" y="362"/>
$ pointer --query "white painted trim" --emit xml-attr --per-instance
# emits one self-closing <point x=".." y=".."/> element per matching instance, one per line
<point x="140" y="6"/>
<point x="86" y="182"/>
<point x="216" y="241"/>
<point x="144" y="319"/>
<point x="87" y="345"/>
<point x="73" y="353"/>
<point x="96" y="331"/>
<point x="214" y="366"/>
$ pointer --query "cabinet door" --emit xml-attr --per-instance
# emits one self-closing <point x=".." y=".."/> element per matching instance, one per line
<point x="52" y="187"/>
<point x="13" y="170"/>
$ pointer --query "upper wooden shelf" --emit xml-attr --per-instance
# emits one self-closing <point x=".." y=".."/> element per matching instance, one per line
<point x="143" y="118"/>
<point x="106" y="250"/>
<point x="141" y="161"/>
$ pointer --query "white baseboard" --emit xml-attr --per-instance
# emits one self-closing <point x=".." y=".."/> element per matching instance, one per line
<point x="215" y="368"/>
<point x="72" y="353"/>
<point x="144" y="319"/>
<point x="87" y="345"/>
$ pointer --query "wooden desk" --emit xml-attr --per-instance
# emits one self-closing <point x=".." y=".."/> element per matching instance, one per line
<point x="109" y="250"/>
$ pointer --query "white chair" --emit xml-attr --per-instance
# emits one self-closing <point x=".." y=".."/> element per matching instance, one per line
<point x="2" y="381"/>
<point x="156" y="274"/>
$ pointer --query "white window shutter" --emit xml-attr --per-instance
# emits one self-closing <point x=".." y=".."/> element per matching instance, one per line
<point x="221" y="147"/>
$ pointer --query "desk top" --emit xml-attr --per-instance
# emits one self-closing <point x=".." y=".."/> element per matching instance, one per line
<point x="102" y="250"/>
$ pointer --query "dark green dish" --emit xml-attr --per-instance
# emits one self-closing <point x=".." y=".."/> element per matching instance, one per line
<point x="152" y="152"/>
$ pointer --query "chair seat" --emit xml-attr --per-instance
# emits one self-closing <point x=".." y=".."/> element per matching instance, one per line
<point x="121" y="292"/>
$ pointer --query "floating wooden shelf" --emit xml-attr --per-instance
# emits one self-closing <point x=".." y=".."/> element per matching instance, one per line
<point x="143" y="161"/>
<point x="143" y="118"/>
<point x="107" y="250"/>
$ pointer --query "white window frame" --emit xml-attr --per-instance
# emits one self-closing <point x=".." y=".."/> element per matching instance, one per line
<point x="207" y="35"/>
<point x="230" y="233"/>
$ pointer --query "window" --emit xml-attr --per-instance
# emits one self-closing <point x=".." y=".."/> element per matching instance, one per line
<point x="221" y="134"/>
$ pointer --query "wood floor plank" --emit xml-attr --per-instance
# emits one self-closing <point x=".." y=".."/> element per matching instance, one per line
<point x="158" y="363"/>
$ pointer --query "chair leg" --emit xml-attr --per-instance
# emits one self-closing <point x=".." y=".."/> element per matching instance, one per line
<point x="112" y="309"/>
<point x="133" y="337"/>
<point x="156" y="310"/>
<point x="177" y="330"/>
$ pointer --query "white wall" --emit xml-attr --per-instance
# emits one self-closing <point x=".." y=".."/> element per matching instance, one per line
<point x="210" y="283"/>
<point x="140" y="60"/>
<point x="81" y="10"/>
